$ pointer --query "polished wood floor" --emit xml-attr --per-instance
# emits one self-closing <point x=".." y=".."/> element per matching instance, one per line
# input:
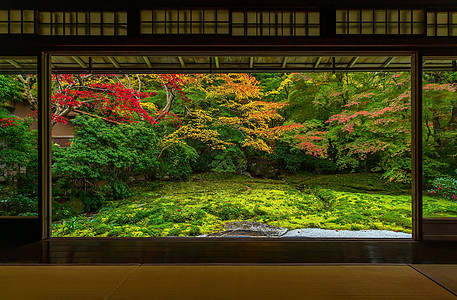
<point x="138" y="282"/>
<point x="174" y="268"/>
<point x="228" y="251"/>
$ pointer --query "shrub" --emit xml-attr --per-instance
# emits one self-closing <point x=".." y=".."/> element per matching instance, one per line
<point x="18" y="205"/>
<point x="445" y="187"/>
<point x="293" y="159"/>
<point x="18" y="166"/>
<point x="176" y="161"/>
<point x="18" y="148"/>
<point x="67" y="209"/>
<point x="106" y="154"/>
<point x="230" y="160"/>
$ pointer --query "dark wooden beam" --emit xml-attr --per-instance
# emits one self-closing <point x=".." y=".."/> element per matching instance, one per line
<point x="80" y="62"/>
<point x="318" y="61"/>
<point x="257" y="69"/>
<point x="284" y="62"/>
<point x="147" y="44"/>
<point x="14" y="63"/>
<point x="44" y="144"/>
<point x="387" y="62"/>
<point x="353" y="62"/>
<point x="416" y="144"/>
<point x="235" y="4"/>
<point x="181" y="61"/>
<point x="114" y="62"/>
<point x="147" y="61"/>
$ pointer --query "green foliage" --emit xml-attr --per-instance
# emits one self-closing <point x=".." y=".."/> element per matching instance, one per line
<point x="10" y="89"/>
<point x="355" y="123"/>
<point x="439" y="125"/>
<point x="18" y="204"/>
<point x="434" y="166"/>
<point x="295" y="159"/>
<point x="106" y="156"/>
<point x="445" y="187"/>
<point x="18" y="166"/>
<point x="177" y="160"/>
<point x="204" y="203"/>
<point x="66" y="209"/>
<point x="17" y="145"/>
<point x="231" y="159"/>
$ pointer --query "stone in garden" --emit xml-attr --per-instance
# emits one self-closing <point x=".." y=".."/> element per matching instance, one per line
<point x="245" y="228"/>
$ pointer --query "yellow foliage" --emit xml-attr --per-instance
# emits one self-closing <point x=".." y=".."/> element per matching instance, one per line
<point x="230" y="121"/>
<point x="257" y="144"/>
<point x="196" y="130"/>
<point x="149" y="106"/>
<point x="238" y="97"/>
<point x="283" y="84"/>
<point x="202" y="115"/>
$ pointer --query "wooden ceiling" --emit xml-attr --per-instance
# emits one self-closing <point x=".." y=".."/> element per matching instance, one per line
<point x="208" y="64"/>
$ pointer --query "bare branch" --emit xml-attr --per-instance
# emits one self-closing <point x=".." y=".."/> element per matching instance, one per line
<point x="27" y="83"/>
<point x="139" y="82"/>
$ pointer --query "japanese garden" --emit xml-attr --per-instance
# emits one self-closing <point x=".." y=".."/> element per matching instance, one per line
<point x="156" y="155"/>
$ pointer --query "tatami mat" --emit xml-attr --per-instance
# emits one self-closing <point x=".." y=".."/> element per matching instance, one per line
<point x="221" y="282"/>
<point x="279" y="283"/>
<point x="444" y="274"/>
<point x="61" y="282"/>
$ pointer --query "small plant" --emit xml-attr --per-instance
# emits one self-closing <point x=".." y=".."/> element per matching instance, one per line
<point x="445" y="187"/>
<point x="17" y="205"/>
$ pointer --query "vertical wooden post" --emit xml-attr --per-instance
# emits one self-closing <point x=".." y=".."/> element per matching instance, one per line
<point x="327" y="21"/>
<point x="44" y="144"/>
<point x="134" y="21"/>
<point x="416" y="144"/>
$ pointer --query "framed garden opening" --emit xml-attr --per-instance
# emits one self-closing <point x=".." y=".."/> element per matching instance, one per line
<point x="242" y="37"/>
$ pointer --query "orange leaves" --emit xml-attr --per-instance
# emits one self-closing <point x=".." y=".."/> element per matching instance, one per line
<point x="256" y="120"/>
<point x="264" y="105"/>
<point x="285" y="128"/>
<point x="228" y="102"/>
<point x="196" y="130"/>
<point x="237" y="86"/>
<point x="261" y="111"/>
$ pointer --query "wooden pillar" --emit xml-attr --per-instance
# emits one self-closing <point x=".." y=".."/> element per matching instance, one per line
<point x="416" y="144"/>
<point x="44" y="144"/>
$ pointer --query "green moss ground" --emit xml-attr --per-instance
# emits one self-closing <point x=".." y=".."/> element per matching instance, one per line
<point x="205" y="202"/>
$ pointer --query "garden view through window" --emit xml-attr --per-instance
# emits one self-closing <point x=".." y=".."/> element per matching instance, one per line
<point x="225" y="154"/>
<point x="439" y="128"/>
<point x="316" y="154"/>
<point x="18" y="140"/>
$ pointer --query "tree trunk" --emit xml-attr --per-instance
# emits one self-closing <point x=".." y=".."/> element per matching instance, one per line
<point x="436" y="128"/>
<point x="170" y="100"/>
<point x="453" y="120"/>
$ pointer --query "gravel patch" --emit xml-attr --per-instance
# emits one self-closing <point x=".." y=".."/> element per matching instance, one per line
<point x="315" y="233"/>
<point x="326" y="233"/>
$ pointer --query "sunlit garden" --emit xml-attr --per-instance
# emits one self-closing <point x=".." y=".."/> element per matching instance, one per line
<point x="213" y="155"/>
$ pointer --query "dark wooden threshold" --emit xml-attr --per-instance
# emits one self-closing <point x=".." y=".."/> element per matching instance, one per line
<point x="440" y="229"/>
<point x="17" y="229"/>
<point x="240" y="251"/>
